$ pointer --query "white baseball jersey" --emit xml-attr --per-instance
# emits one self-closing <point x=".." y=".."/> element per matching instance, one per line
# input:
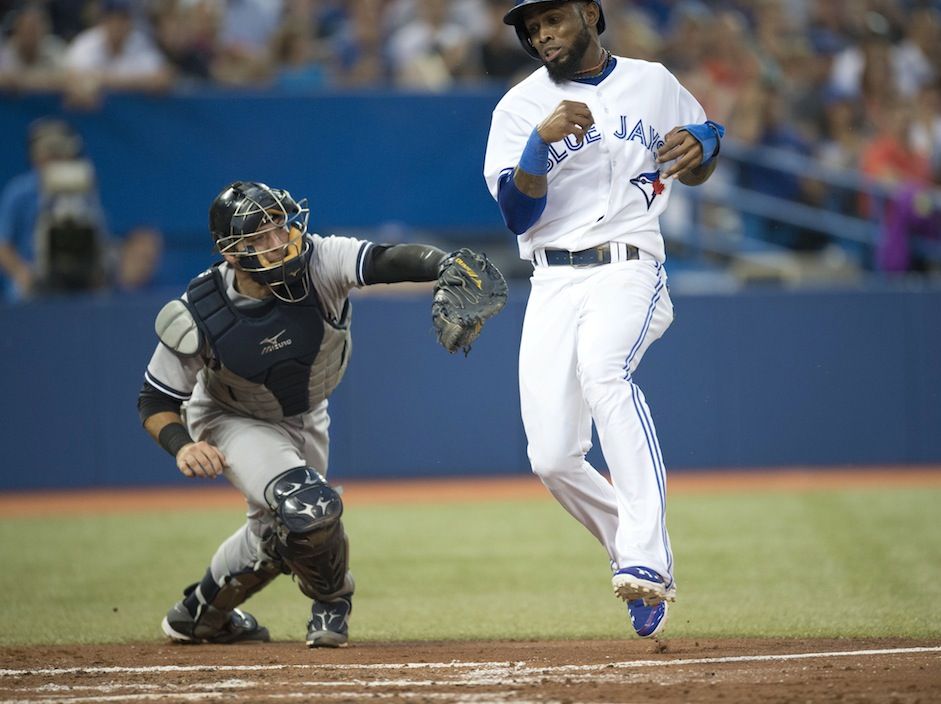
<point x="606" y="189"/>
<point x="587" y="328"/>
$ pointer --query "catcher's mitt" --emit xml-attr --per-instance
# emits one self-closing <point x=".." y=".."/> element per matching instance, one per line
<point x="469" y="290"/>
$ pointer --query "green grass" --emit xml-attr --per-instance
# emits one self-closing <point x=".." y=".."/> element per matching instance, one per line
<point x="842" y="564"/>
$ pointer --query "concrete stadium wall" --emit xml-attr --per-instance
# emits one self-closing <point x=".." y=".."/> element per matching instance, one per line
<point x="759" y="379"/>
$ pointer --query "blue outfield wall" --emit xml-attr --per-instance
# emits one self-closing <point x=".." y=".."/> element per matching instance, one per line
<point x="364" y="159"/>
<point x="757" y="379"/>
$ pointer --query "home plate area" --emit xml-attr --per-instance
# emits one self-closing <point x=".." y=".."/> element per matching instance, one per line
<point x="572" y="672"/>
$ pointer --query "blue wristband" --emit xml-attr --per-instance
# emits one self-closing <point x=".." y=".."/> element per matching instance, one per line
<point x="535" y="157"/>
<point x="709" y="135"/>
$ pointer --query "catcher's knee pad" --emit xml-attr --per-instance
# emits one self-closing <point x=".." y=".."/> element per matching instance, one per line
<point x="309" y="535"/>
<point x="209" y="604"/>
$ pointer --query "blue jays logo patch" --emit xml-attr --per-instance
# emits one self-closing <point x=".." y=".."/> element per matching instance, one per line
<point x="650" y="185"/>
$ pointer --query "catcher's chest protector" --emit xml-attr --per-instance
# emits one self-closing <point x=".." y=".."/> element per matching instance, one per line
<point x="273" y="359"/>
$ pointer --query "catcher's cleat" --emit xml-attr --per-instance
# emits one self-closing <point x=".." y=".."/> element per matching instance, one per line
<point x="237" y="627"/>
<point x="647" y="620"/>
<point x="637" y="582"/>
<point x="329" y="623"/>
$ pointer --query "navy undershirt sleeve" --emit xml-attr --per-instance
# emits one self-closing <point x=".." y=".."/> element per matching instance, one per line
<point x="520" y="211"/>
<point x="152" y="400"/>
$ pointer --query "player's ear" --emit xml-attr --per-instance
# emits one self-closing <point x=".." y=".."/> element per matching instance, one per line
<point x="591" y="13"/>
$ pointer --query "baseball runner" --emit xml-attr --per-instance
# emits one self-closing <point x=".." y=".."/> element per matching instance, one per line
<point x="238" y="386"/>
<point x="581" y="158"/>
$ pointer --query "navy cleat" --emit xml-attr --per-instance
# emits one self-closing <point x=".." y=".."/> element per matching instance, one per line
<point x="216" y="626"/>
<point x="329" y="624"/>
<point x="647" y="620"/>
<point x="636" y="582"/>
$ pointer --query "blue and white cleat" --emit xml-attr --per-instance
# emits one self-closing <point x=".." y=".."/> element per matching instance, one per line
<point x="636" y="582"/>
<point x="648" y="621"/>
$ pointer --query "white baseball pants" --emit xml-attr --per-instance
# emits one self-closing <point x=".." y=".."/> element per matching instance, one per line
<point x="584" y="334"/>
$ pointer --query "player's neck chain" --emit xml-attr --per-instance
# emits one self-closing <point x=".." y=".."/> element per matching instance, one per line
<point x="597" y="70"/>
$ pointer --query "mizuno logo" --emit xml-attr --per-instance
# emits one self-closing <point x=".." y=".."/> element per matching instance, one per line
<point x="273" y="343"/>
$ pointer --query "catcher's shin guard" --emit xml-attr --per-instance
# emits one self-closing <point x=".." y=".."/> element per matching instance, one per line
<point x="309" y="537"/>
<point x="207" y="613"/>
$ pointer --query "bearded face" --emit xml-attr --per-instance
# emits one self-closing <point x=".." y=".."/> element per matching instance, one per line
<point x="568" y="63"/>
<point x="561" y="35"/>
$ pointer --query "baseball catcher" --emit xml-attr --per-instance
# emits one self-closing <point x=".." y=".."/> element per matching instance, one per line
<point x="239" y="387"/>
<point x="469" y="290"/>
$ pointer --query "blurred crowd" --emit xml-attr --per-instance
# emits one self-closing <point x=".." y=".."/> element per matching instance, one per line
<point x="851" y="84"/>
<point x="83" y="47"/>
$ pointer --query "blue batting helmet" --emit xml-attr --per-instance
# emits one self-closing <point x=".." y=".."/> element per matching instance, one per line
<point x="515" y="18"/>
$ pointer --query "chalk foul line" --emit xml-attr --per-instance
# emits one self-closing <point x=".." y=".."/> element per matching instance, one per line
<point x="518" y="666"/>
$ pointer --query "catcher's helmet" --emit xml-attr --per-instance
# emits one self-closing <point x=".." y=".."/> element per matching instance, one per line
<point x="515" y="18"/>
<point x="245" y="209"/>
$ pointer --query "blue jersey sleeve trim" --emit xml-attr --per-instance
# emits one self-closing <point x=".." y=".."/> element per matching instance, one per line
<point x="520" y="211"/>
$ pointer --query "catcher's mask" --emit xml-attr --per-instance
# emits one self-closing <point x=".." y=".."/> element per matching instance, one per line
<point x="514" y="18"/>
<point x="246" y="210"/>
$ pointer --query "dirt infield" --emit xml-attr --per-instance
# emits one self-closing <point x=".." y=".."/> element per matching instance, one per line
<point x="846" y="671"/>
<point x="769" y="671"/>
<point x="219" y="494"/>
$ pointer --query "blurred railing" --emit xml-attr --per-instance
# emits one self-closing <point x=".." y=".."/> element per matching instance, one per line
<point x="712" y="229"/>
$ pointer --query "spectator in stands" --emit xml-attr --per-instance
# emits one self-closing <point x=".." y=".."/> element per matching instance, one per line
<point x="500" y="56"/>
<point x="300" y="56"/>
<point x="245" y="42"/>
<point x="690" y="40"/>
<point x="185" y="32"/>
<point x="432" y="51"/>
<point x="926" y="125"/>
<point x="839" y="146"/>
<point x="688" y="30"/>
<point x="917" y="60"/>
<point x="70" y="17"/>
<point x="660" y="12"/>
<point x="880" y="68"/>
<point x="760" y="120"/>
<point x="729" y="64"/>
<point x="889" y="157"/>
<point x="53" y="231"/>
<point x="910" y="210"/>
<point x="359" y="48"/>
<point x="113" y="55"/>
<point x="632" y="33"/>
<point x="31" y="200"/>
<point x="138" y="259"/>
<point x="32" y="57"/>
<point x="811" y="93"/>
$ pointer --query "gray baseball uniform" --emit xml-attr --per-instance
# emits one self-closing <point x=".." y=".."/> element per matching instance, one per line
<point x="243" y="418"/>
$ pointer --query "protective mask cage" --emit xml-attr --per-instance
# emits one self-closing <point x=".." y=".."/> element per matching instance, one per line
<point x="268" y="238"/>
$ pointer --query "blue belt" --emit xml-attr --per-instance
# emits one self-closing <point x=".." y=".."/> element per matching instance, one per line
<point x="586" y="257"/>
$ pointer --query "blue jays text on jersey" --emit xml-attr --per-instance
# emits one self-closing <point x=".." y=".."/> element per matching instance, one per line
<point x="649" y="136"/>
